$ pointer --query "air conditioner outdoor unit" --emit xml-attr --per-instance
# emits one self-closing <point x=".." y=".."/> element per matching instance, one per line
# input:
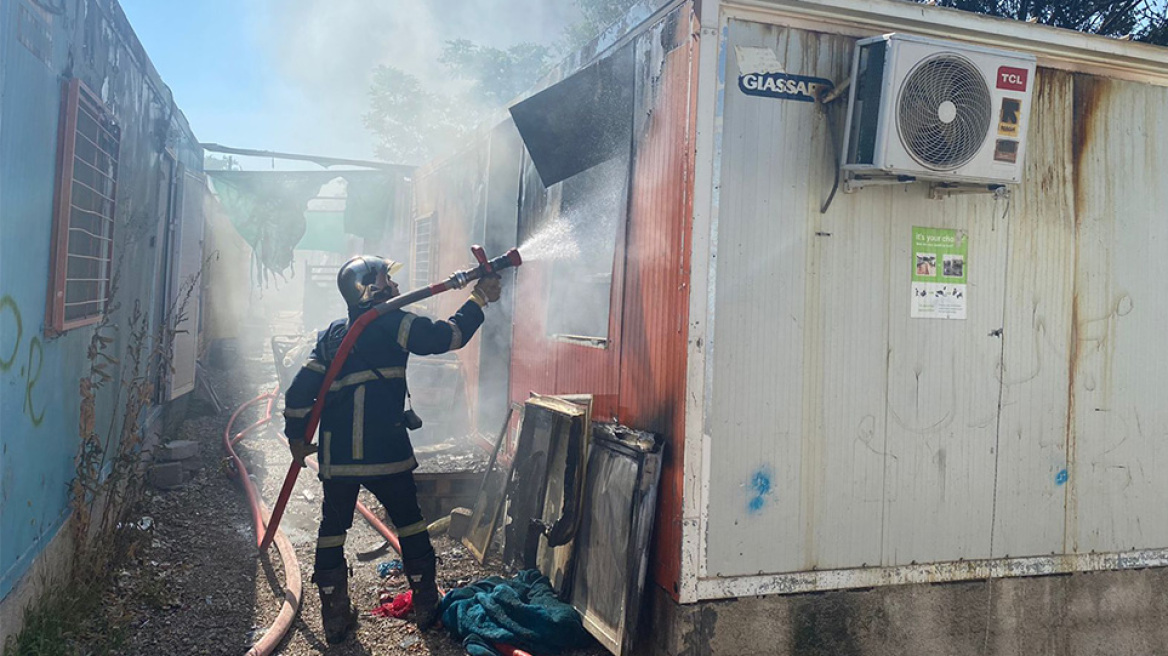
<point x="936" y="110"/>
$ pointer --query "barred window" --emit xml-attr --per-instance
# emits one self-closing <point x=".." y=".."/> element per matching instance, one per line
<point x="83" y="221"/>
<point x="423" y="250"/>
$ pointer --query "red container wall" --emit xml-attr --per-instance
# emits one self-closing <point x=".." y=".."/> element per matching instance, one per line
<point x="656" y="300"/>
<point x="639" y="379"/>
<point x="451" y="190"/>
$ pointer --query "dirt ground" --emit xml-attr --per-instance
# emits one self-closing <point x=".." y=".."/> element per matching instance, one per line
<point x="197" y="584"/>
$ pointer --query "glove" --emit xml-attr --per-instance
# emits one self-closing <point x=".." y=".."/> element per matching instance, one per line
<point x="300" y="450"/>
<point x="487" y="290"/>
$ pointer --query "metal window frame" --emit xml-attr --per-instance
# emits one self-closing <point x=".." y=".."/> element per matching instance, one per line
<point x="75" y="97"/>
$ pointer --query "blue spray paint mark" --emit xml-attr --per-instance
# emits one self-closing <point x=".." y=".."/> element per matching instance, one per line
<point x="1060" y="477"/>
<point x="760" y="487"/>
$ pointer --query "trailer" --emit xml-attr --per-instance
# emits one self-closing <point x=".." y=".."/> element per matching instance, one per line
<point x="885" y="350"/>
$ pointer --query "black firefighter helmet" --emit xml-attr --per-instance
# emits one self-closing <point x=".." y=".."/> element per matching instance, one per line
<point x="358" y="279"/>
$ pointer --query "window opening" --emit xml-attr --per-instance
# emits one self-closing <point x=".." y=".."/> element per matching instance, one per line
<point x="83" y="235"/>
<point x="591" y="212"/>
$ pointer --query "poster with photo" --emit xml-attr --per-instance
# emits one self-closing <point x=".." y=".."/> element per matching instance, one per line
<point x="940" y="266"/>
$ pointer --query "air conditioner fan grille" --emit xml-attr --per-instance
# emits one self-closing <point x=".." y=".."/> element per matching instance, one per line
<point x="944" y="112"/>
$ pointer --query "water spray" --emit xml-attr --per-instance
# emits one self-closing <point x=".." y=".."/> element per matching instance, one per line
<point x="457" y="280"/>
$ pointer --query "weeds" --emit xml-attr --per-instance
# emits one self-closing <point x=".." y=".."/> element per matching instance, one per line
<point x="82" y="615"/>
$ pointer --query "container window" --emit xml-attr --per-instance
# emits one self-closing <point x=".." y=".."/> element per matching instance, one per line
<point x="83" y="222"/>
<point x="423" y="250"/>
<point x="592" y="212"/>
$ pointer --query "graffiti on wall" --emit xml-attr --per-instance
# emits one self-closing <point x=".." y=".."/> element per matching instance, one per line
<point x="30" y="359"/>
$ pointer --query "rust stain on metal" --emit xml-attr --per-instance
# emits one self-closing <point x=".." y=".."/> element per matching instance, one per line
<point x="1088" y="92"/>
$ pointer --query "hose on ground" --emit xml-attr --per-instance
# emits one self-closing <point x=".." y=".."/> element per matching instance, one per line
<point x="293" y="585"/>
<point x="261" y="516"/>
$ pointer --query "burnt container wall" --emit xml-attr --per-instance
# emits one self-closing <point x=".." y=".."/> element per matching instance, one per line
<point x="638" y="377"/>
<point x="450" y="193"/>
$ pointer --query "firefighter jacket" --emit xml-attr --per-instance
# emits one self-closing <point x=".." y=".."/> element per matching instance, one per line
<point x="362" y="431"/>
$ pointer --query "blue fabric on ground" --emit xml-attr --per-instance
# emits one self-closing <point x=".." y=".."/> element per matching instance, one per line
<point x="523" y="612"/>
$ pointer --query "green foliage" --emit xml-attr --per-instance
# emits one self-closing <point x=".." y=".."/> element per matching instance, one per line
<point x="412" y="123"/>
<point x="220" y="163"/>
<point x="57" y="626"/>
<point x="68" y="619"/>
<point x="597" y="15"/>
<point x="1141" y="20"/>
<point x="496" y="76"/>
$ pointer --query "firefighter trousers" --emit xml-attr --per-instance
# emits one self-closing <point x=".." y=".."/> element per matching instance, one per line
<point x="397" y="493"/>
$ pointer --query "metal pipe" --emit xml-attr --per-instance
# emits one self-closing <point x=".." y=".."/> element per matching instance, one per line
<point x="326" y="162"/>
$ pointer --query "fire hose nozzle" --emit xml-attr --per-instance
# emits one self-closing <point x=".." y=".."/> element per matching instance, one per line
<point x="480" y="254"/>
<point x="505" y="261"/>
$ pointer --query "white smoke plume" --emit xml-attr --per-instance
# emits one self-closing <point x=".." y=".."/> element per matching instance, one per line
<point x="326" y="51"/>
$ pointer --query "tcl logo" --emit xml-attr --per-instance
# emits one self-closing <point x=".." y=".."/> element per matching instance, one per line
<point x="1012" y="78"/>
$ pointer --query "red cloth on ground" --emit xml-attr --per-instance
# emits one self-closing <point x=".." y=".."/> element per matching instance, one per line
<point x="399" y="607"/>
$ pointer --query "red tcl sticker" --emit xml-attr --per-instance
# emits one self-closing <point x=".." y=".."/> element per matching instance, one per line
<point x="1012" y="78"/>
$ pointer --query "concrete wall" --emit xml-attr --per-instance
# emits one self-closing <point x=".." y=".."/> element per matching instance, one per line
<point x="39" y="374"/>
<point x="1114" y="613"/>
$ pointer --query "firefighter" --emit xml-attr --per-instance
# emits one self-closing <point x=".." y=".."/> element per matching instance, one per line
<point x="363" y="431"/>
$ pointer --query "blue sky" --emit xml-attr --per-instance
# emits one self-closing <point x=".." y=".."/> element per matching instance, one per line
<point x="292" y="75"/>
<point x="207" y="53"/>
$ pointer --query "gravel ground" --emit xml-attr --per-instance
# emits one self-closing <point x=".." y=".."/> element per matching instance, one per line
<point x="196" y="584"/>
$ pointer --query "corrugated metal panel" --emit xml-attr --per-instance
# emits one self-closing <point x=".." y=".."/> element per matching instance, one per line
<point x="657" y="268"/>
<point x="639" y="378"/>
<point x="1033" y="424"/>
<point x="796" y="476"/>
<point x="1118" y="449"/>
<point x="532" y="366"/>
<point x="845" y="434"/>
<point x="39" y="399"/>
<point x="541" y="363"/>
<point x="452" y="192"/>
<point x="189" y="265"/>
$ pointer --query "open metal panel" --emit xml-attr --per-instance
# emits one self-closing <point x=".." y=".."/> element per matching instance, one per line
<point x="612" y="544"/>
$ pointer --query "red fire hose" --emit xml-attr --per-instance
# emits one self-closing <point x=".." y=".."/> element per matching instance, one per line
<point x="268" y="531"/>
<point x="259" y="512"/>
<point x="293" y="586"/>
<point x="460" y="279"/>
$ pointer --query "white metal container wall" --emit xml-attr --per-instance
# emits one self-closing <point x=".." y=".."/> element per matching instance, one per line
<point x="844" y="434"/>
<point x="1033" y="424"/>
<point x="1119" y="442"/>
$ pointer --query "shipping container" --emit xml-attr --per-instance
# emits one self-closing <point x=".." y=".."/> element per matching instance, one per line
<point x="698" y="262"/>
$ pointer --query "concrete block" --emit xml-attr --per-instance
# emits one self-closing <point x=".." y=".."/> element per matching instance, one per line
<point x="178" y="450"/>
<point x="166" y="475"/>
<point x="459" y="523"/>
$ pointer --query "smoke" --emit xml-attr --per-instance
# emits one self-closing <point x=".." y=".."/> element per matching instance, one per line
<point x="327" y="50"/>
<point x="577" y="244"/>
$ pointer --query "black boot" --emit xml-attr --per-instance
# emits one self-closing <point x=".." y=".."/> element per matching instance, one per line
<point x="336" y="611"/>
<point x="423" y="576"/>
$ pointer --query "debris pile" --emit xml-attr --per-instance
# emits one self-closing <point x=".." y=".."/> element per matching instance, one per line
<point x="175" y="463"/>
<point x="574" y="503"/>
